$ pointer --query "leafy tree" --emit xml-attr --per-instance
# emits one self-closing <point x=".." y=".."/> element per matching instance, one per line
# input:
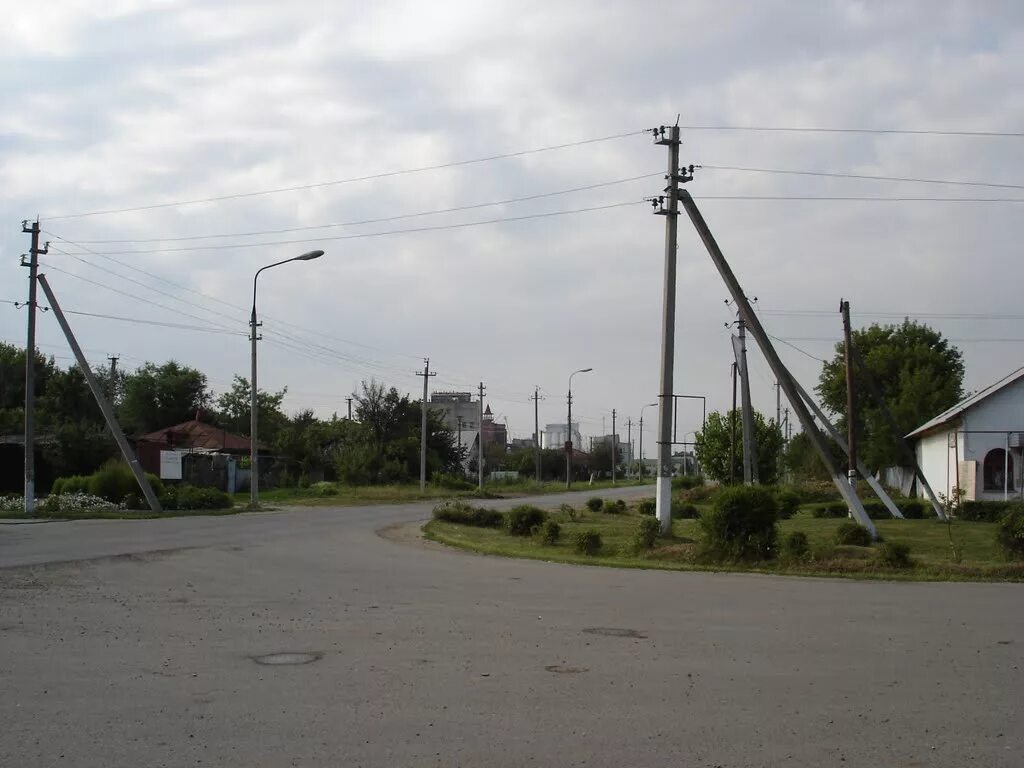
<point x="918" y="372"/>
<point x="310" y="445"/>
<point x="712" y="447"/>
<point x="601" y="457"/>
<point x="234" y="410"/>
<point x="161" y="396"/>
<point x="802" y="462"/>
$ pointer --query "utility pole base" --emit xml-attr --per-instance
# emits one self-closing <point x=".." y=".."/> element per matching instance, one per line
<point x="663" y="506"/>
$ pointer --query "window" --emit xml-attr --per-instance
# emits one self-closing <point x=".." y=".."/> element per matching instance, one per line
<point x="996" y="463"/>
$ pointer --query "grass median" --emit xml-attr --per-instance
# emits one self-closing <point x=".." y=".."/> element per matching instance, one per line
<point x="931" y="550"/>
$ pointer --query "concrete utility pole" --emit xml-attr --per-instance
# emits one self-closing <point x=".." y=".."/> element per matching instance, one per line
<point x="851" y="399"/>
<point x="30" y="364"/>
<point x="536" y="430"/>
<point x="349" y="401"/>
<point x="732" y="431"/>
<point x="615" y="446"/>
<point x="480" y="441"/>
<point x="749" y="437"/>
<point x="629" y="442"/>
<point x="423" y="423"/>
<point x="778" y="404"/>
<point x="101" y="400"/>
<point x="668" y="137"/>
<point x="458" y="419"/>
<point x="113" y="378"/>
<point x="649" y="405"/>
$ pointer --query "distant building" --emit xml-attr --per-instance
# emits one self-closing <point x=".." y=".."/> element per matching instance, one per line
<point x="556" y="435"/>
<point x="625" y="454"/>
<point x="457" y="410"/>
<point x="522" y="442"/>
<point x="494" y="431"/>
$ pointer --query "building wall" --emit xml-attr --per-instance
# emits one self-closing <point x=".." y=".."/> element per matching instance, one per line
<point x="555" y="436"/>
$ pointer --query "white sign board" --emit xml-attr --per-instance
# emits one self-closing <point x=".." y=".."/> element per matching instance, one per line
<point x="170" y="465"/>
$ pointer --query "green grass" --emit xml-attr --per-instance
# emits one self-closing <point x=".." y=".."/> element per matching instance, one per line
<point x="929" y="542"/>
<point x="349" y="495"/>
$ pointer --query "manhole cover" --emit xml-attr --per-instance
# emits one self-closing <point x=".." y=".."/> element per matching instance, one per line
<point x="277" y="659"/>
<point x="558" y="669"/>
<point x="615" y="632"/>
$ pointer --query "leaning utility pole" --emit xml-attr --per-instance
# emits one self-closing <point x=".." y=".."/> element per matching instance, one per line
<point x="615" y="445"/>
<point x="536" y="430"/>
<point x="480" y="442"/>
<point x="30" y="364"/>
<point x="851" y="400"/>
<point x="423" y="423"/>
<point x="668" y="137"/>
<point x="101" y="400"/>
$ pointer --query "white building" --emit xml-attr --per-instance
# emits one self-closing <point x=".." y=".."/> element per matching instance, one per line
<point x="555" y="436"/>
<point x="977" y="444"/>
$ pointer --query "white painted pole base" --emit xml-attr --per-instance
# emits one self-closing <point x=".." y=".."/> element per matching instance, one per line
<point x="664" y="503"/>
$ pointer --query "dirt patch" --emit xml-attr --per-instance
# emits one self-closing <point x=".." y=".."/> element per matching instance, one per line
<point x="409" y="534"/>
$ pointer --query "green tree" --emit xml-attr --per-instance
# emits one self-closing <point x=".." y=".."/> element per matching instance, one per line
<point x="918" y="372"/>
<point x="601" y="457"/>
<point x="234" y="410"/>
<point x="712" y="448"/>
<point x="802" y="461"/>
<point x="161" y="396"/>
<point x="310" y="445"/>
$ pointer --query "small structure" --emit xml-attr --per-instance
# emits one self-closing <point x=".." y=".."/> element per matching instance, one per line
<point x="197" y="453"/>
<point x="978" y="444"/>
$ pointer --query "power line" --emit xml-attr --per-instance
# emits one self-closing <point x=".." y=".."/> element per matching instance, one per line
<point x="138" y="320"/>
<point x="864" y="198"/>
<point x="808" y="129"/>
<point x="351" y="180"/>
<point x="382" y="219"/>
<point x="943" y="315"/>
<point x="435" y="228"/>
<point x="833" y="175"/>
<point x="801" y="351"/>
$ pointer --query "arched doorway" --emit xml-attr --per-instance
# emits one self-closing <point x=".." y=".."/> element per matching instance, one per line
<point x="996" y="464"/>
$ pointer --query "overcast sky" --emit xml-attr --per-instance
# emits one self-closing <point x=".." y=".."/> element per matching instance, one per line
<point x="128" y="104"/>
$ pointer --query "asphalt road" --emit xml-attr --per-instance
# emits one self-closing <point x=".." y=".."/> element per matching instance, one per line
<point x="133" y="644"/>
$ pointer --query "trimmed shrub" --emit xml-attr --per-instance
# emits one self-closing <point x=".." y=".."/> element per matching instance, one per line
<point x="876" y="509"/>
<point x="1010" y="533"/>
<point x="647" y="506"/>
<point x="550" y="532"/>
<point x="461" y="513"/>
<point x="825" y="509"/>
<point x="852" y="534"/>
<point x="684" y="511"/>
<point x="789" y="502"/>
<point x="587" y="542"/>
<point x="113" y="481"/>
<point x="569" y="511"/>
<point x="521" y="520"/>
<point x="795" y="545"/>
<point x="616" y="507"/>
<point x="740" y="525"/>
<point x="595" y="504"/>
<point x="647" y="531"/>
<point x="686" y="482"/>
<point x="451" y="482"/>
<point x="985" y="511"/>
<point x="190" y="497"/>
<point x="700" y="493"/>
<point x="154" y="482"/>
<point x="74" y="484"/>
<point x="58" y="486"/>
<point x="894" y="554"/>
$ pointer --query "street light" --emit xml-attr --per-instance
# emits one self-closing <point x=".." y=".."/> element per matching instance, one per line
<point x="649" y="405"/>
<point x="254" y="476"/>
<point x="568" y="431"/>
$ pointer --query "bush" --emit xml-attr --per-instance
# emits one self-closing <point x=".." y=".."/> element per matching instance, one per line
<point x="134" y="501"/>
<point x="323" y="489"/>
<point x="551" y="532"/>
<point x="684" y="511"/>
<point x="587" y="542"/>
<point x="58" y="486"/>
<point x="616" y="507"/>
<point x="647" y="531"/>
<point x="595" y="504"/>
<point x="647" y="506"/>
<point x="75" y="504"/>
<point x="154" y="482"/>
<point x="113" y="481"/>
<point x="741" y="525"/>
<point x="914" y="509"/>
<point x="850" y="533"/>
<point x="461" y="513"/>
<point x="190" y="497"/>
<point x="789" y="502"/>
<point x="894" y="554"/>
<point x="876" y="509"/>
<point x="451" y="482"/>
<point x="569" y="511"/>
<point x="686" y="482"/>
<point x="700" y="493"/>
<point x="1010" y="533"/>
<point x="73" y="484"/>
<point x="521" y="520"/>
<point x="795" y="545"/>
<point x="825" y="509"/>
<point x="985" y="511"/>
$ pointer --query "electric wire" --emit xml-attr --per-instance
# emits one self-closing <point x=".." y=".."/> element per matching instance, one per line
<point x="836" y="175"/>
<point x="814" y="129"/>
<point x="351" y="180"/>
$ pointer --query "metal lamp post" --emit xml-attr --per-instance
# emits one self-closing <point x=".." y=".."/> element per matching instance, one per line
<point x="254" y="479"/>
<point x="649" y="405"/>
<point x="568" y="431"/>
